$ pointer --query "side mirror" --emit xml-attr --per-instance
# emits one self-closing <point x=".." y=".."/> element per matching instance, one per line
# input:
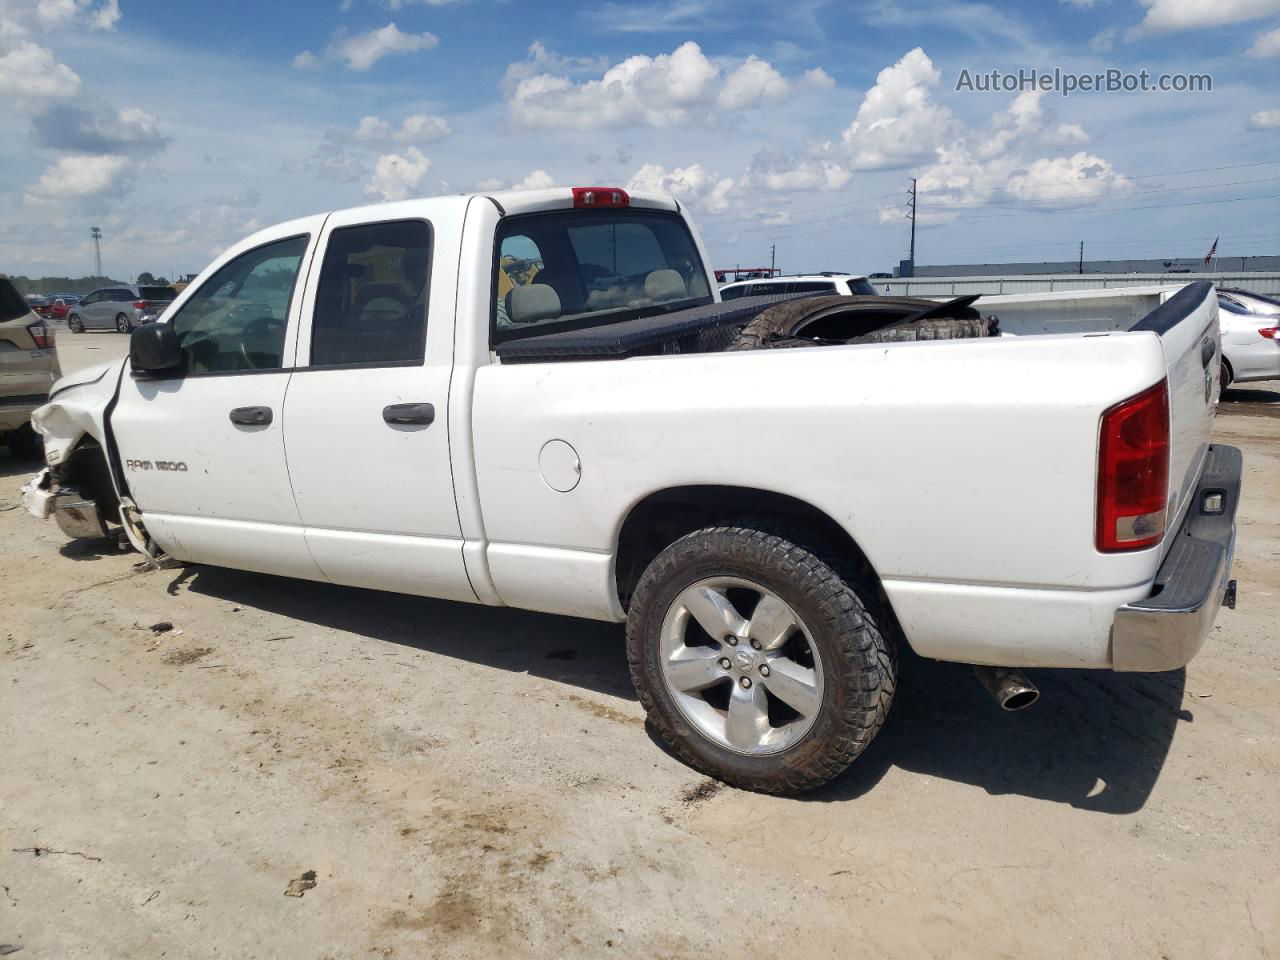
<point x="154" y="349"/>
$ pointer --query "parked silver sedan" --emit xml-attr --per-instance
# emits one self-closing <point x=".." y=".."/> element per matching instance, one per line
<point x="119" y="308"/>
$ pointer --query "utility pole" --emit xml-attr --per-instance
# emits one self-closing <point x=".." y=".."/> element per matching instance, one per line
<point x="97" y="250"/>
<point x="773" y="258"/>
<point x="1081" y="267"/>
<point x="911" y="215"/>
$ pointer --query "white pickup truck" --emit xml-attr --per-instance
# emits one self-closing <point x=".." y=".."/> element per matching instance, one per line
<point x="524" y="399"/>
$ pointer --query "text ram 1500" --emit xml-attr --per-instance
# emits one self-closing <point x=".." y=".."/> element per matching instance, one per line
<point x="534" y="399"/>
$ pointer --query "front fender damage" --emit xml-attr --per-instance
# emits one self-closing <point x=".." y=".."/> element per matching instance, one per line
<point x="78" y="488"/>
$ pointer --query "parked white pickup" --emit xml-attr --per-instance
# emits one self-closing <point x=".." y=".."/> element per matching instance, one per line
<point x="511" y="400"/>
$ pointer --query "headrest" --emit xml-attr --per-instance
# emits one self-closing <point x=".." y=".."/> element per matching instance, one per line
<point x="665" y="285"/>
<point x="533" y="302"/>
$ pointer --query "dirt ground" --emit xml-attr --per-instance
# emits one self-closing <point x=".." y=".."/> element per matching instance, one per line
<point x="470" y="782"/>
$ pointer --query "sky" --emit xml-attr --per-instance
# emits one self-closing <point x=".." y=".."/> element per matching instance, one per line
<point x="180" y="127"/>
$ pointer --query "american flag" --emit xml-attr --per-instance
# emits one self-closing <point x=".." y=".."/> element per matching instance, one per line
<point x="1213" y="251"/>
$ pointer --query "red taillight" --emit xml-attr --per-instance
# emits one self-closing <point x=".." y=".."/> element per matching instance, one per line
<point x="41" y="335"/>
<point x="1133" y="471"/>
<point x="1271" y="333"/>
<point x="140" y="304"/>
<point x="600" y="197"/>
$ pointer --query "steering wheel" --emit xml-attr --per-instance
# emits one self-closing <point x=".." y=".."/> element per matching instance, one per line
<point x="262" y="338"/>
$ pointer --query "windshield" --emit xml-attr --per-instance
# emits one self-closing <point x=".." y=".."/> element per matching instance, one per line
<point x="581" y="268"/>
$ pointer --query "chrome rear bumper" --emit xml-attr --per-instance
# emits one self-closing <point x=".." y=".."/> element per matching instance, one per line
<point x="1167" y="629"/>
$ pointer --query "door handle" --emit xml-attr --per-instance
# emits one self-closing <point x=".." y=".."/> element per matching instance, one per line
<point x="251" y="416"/>
<point x="411" y="413"/>
<point x="1207" y="350"/>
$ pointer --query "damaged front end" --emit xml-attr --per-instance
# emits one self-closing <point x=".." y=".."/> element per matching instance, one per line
<point x="78" y="488"/>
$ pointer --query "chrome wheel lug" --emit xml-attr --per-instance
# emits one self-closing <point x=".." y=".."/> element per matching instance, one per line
<point x="755" y="644"/>
<point x="731" y="641"/>
<point x="746" y="683"/>
<point x="764" y="669"/>
<point x="725" y="663"/>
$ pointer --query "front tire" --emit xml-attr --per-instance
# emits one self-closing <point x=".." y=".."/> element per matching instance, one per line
<point x="122" y="323"/>
<point x="75" y="324"/>
<point x="811" y="667"/>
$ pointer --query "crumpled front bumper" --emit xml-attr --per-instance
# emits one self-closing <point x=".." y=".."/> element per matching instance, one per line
<point x="38" y="495"/>
<point x="1167" y="629"/>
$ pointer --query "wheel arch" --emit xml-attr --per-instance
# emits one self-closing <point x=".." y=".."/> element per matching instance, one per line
<point x="662" y="517"/>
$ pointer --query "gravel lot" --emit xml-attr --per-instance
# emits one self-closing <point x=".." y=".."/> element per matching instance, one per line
<point x="469" y="782"/>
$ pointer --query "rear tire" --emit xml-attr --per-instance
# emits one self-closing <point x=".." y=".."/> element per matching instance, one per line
<point x="75" y="324"/>
<point x="122" y="323"/>
<point x="1226" y="376"/>
<point x="835" y="665"/>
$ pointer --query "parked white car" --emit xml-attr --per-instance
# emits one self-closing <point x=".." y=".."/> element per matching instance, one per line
<point x="1250" y="336"/>
<point x="814" y="284"/>
<point x="523" y="399"/>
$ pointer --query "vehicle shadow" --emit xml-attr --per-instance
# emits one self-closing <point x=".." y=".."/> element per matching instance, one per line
<point x="11" y="466"/>
<point x="1096" y="740"/>
<point x="1243" y="394"/>
<point x="582" y="653"/>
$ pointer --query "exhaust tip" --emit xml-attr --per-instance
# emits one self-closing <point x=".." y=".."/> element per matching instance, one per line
<point x="1010" y="689"/>
<point x="1019" y="700"/>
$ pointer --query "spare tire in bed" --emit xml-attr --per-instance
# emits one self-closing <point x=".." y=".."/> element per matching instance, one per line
<point x="814" y="321"/>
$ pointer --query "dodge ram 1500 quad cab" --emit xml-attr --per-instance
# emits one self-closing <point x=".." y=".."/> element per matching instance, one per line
<point x="530" y="399"/>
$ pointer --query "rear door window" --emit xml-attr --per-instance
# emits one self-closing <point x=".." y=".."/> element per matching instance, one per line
<point x="371" y="301"/>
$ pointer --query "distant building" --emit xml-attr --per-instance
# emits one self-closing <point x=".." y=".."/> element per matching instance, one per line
<point x="1267" y="264"/>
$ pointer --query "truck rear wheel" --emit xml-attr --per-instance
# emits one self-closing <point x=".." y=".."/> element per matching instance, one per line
<point x="758" y="663"/>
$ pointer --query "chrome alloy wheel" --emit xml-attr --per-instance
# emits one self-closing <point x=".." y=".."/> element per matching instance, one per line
<point x="741" y="666"/>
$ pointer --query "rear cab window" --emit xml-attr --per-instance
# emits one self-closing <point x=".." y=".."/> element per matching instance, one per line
<point x="157" y="293"/>
<point x="580" y="268"/>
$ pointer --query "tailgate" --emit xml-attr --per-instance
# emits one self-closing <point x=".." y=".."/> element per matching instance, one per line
<point x="1187" y="324"/>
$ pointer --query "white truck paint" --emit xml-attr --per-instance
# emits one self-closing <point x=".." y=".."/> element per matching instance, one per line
<point x="964" y="471"/>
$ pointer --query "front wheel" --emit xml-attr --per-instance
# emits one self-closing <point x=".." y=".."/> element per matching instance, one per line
<point x="758" y="663"/>
<point x="122" y="323"/>
<point x="75" y="324"/>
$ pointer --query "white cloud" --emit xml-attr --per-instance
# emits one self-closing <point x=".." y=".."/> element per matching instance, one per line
<point x="1266" y="46"/>
<point x="660" y="91"/>
<point x="756" y="81"/>
<point x="52" y="14"/>
<point x="1081" y="176"/>
<point x="535" y="180"/>
<point x="817" y="77"/>
<point x="398" y="176"/>
<point x="898" y="122"/>
<point x="78" y="177"/>
<point x="361" y="51"/>
<point x="1265" y="120"/>
<point x="693" y="185"/>
<point x="1187" y="14"/>
<point x="100" y="131"/>
<point x="418" y="128"/>
<point x="780" y="172"/>
<point x="1104" y="40"/>
<point x="29" y="75"/>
